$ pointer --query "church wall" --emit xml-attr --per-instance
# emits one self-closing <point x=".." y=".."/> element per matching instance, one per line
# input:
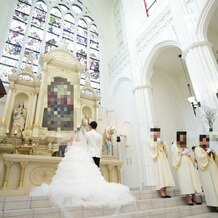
<point x="103" y="13"/>
<point x="159" y="29"/>
<point x="126" y="125"/>
<point x="167" y="106"/>
<point x="148" y="33"/>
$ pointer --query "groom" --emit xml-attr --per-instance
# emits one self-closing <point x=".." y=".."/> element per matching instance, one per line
<point x="94" y="141"/>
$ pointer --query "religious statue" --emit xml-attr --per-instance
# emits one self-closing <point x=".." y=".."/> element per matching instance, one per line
<point x="85" y="122"/>
<point x="107" y="140"/>
<point x="19" y="119"/>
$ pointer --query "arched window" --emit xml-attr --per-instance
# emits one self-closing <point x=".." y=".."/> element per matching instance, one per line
<point x="39" y="26"/>
<point x="54" y="30"/>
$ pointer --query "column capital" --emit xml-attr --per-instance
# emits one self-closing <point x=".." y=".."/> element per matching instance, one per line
<point x="8" y="163"/>
<point x="23" y="164"/>
<point x="195" y="44"/>
<point x="143" y="86"/>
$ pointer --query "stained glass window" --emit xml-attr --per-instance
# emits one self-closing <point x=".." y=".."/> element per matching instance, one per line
<point x="39" y="27"/>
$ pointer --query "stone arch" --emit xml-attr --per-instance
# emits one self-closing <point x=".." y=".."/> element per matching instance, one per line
<point x="149" y="62"/>
<point x="205" y="17"/>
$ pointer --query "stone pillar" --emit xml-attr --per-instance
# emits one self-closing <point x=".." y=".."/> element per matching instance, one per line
<point x="3" y="120"/>
<point x="34" y="107"/>
<point x="110" y="168"/>
<point x="6" y="174"/>
<point x="39" y="109"/>
<point x="144" y="99"/>
<point x="22" y="173"/>
<point x="6" y="16"/>
<point x="119" y="174"/>
<point x="198" y="55"/>
<point x="203" y="72"/>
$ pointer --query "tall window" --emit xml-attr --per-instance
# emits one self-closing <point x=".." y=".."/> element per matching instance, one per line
<point x="39" y="26"/>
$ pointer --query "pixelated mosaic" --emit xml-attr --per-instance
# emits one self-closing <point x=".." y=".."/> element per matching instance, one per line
<point x="59" y="112"/>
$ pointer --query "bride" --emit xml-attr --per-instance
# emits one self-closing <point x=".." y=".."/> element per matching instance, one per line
<point x="78" y="181"/>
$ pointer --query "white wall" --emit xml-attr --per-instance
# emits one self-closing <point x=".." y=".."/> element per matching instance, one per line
<point x="125" y="123"/>
<point x="167" y="106"/>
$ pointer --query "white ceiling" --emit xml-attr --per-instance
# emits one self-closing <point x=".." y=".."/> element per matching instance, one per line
<point x="169" y="61"/>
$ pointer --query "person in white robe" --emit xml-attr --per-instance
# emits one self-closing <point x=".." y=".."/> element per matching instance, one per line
<point x="208" y="171"/>
<point x="183" y="163"/>
<point x="159" y="154"/>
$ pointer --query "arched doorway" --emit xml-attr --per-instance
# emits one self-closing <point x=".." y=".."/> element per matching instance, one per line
<point x="169" y="82"/>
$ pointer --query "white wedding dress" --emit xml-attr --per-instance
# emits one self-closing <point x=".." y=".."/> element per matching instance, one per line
<point x="78" y="182"/>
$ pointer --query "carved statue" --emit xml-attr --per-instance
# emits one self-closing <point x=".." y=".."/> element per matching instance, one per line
<point x="19" y="119"/>
<point x="85" y="123"/>
<point x="107" y="140"/>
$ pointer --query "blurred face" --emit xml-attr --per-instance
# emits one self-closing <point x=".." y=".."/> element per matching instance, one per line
<point x="156" y="135"/>
<point x="204" y="143"/>
<point x="182" y="141"/>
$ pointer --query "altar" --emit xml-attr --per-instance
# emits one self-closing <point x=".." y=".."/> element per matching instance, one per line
<point x="22" y="172"/>
<point x="40" y="114"/>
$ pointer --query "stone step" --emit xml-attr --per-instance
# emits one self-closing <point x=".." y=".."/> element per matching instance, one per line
<point x="26" y="202"/>
<point x="173" y="212"/>
<point x="26" y="206"/>
<point x="152" y="193"/>
<point x="205" y="215"/>
<point x="79" y="212"/>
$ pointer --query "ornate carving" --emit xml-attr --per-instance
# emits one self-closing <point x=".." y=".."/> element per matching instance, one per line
<point x="41" y="175"/>
<point x="147" y="38"/>
<point x="120" y="61"/>
<point x="23" y="164"/>
<point x="6" y="173"/>
<point x="87" y="89"/>
<point x="63" y="58"/>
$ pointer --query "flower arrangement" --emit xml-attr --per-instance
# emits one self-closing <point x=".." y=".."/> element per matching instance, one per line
<point x="209" y="117"/>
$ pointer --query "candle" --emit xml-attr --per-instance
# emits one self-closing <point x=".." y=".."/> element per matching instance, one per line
<point x="15" y="132"/>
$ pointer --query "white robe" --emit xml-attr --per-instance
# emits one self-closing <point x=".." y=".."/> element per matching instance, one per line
<point x="186" y="175"/>
<point x="209" y="176"/>
<point x="163" y="175"/>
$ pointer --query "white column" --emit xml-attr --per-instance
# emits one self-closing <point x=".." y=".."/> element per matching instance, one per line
<point x="203" y="72"/>
<point x="200" y="61"/>
<point x="147" y="119"/>
<point x="39" y="108"/>
<point x="7" y="102"/>
<point x="3" y="120"/>
<point x="6" y="15"/>
<point x="33" y="107"/>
